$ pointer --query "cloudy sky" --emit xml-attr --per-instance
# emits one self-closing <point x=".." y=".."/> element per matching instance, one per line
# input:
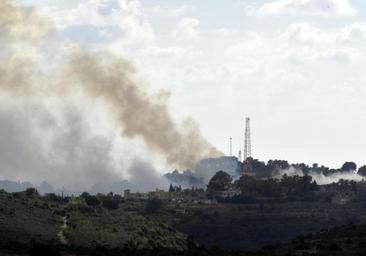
<point x="296" y="67"/>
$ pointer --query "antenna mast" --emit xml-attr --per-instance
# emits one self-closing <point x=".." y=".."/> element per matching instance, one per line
<point x="247" y="140"/>
<point x="231" y="146"/>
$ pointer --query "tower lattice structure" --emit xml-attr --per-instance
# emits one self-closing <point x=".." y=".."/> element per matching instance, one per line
<point x="247" y="140"/>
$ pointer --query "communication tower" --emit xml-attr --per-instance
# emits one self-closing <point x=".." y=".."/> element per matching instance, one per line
<point x="247" y="140"/>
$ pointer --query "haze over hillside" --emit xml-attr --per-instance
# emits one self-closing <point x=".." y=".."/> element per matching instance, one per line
<point x="48" y="135"/>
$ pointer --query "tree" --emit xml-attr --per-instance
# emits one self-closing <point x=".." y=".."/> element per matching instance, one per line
<point x="52" y="197"/>
<point x="171" y="188"/>
<point x="109" y="202"/>
<point x="258" y="167"/>
<point x="349" y="166"/>
<point x="154" y="205"/>
<point x="31" y="192"/>
<point x="84" y="195"/>
<point x="277" y="165"/>
<point x="247" y="184"/>
<point x="362" y="171"/>
<point x="219" y="182"/>
<point x="92" y="201"/>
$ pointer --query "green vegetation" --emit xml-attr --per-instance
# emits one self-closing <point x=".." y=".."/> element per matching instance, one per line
<point x="219" y="182"/>
<point x="271" y="168"/>
<point x="287" y="186"/>
<point x="158" y="227"/>
<point x="154" y="205"/>
<point x="31" y="192"/>
<point x="109" y="202"/>
<point x="362" y="171"/>
<point x="92" y="201"/>
<point x="347" y="240"/>
<point x="349" y="166"/>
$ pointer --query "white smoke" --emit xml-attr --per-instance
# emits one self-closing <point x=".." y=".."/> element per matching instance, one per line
<point x="320" y="178"/>
<point x="68" y="144"/>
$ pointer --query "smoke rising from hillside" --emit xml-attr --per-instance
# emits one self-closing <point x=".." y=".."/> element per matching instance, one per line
<point x="100" y="76"/>
<point x="56" y="145"/>
<point x="320" y="178"/>
<point x="108" y="78"/>
<point x="144" y="177"/>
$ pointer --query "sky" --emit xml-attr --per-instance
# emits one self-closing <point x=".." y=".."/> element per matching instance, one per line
<point x="295" y="67"/>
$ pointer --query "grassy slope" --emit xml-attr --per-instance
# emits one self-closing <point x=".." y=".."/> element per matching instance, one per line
<point x="342" y="240"/>
<point x="249" y="226"/>
<point x="121" y="228"/>
<point x="23" y="219"/>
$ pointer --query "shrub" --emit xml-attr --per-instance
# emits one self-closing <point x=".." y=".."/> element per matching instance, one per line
<point x="78" y="204"/>
<point x="110" y="203"/>
<point x="31" y="192"/>
<point x="52" y="197"/>
<point x="154" y="205"/>
<point x="92" y="201"/>
<point x="84" y="195"/>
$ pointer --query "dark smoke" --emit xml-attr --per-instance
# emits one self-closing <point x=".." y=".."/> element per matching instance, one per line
<point x="108" y="78"/>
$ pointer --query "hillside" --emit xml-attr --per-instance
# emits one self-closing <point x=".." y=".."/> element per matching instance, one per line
<point x="340" y="240"/>
<point x="28" y="220"/>
<point x="252" y="226"/>
<point x="31" y="224"/>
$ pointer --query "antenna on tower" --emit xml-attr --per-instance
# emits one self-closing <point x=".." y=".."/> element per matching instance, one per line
<point x="231" y="146"/>
<point x="247" y="141"/>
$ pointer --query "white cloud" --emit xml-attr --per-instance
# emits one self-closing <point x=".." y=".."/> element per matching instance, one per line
<point x="314" y="43"/>
<point x="103" y="17"/>
<point x="187" y="28"/>
<point x="164" y="11"/>
<point x="304" y="7"/>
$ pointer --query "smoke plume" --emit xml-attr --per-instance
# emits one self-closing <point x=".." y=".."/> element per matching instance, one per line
<point x="32" y="148"/>
<point x="21" y="24"/>
<point x="36" y="145"/>
<point x="320" y="178"/>
<point x="144" y="177"/>
<point x="108" y="78"/>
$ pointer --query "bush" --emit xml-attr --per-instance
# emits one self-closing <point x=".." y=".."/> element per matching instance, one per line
<point x="78" y="204"/>
<point x="84" y="195"/>
<point x="92" y="201"/>
<point x="154" y="205"/>
<point x="52" y="197"/>
<point x="110" y="203"/>
<point x="31" y="192"/>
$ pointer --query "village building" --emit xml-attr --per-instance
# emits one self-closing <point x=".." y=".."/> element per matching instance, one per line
<point x="135" y="196"/>
<point x="160" y="194"/>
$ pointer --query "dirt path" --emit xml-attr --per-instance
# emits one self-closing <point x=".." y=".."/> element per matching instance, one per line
<point x="60" y="234"/>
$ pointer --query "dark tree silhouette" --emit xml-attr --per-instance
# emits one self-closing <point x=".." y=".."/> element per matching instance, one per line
<point x="154" y="205"/>
<point x="92" y="201"/>
<point x="362" y="171"/>
<point x="349" y="166"/>
<point x="219" y="182"/>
